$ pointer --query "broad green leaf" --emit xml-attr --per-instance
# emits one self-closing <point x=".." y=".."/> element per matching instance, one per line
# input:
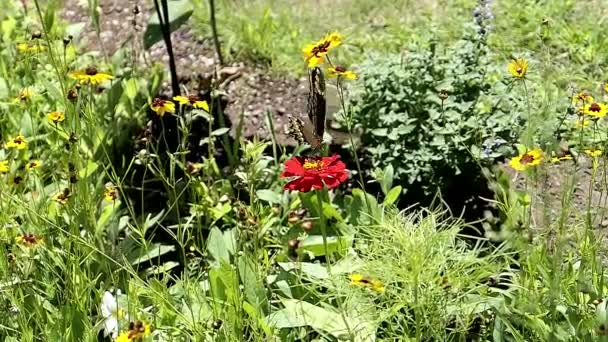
<point x="392" y="195"/>
<point x="216" y="246"/>
<point x="269" y="196"/>
<point x="387" y="178"/>
<point x="130" y="87"/>
<point x="179" y="13"/>
<point x="88" y="170"/>
<point x="335" y="244"/>
<point x="254" y="315"/>
<point x="297" y="313"/>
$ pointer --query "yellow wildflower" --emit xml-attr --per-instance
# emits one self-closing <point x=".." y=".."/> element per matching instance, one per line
<point x="29" y="48"/>
<point x="25" y="94"/>
<point x="314" y="53"/>
<point x="582" y="98"/>
<point x="33" y="164"/>
<point x="110" y="192"/>
<point x="4" y="166"/>
<point x="530" y="158"/>
<point x="193" y="100"/>
<point x="594" y="153"/>
<point x="161" y="106"/>
<point x="182" y="100"/>
<point x="562" y="158"/>
<point x="137" y="330"/>
<point x="342" y="72"/>
<point x="17" y="142"/>
<point x="595" y="109"/>
<point x="518" y="67"/>
<point x="56" y="117"/>
<point x="29" y="240"/>
<point x="361" y="280"/>
<point x="90" y="75"/>
<point x="63" y="196"/>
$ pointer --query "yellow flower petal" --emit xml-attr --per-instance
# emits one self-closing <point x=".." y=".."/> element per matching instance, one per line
<point x="518" y="67"/>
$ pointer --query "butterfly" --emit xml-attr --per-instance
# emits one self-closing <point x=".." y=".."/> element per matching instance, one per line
<point x="312" y="132"/>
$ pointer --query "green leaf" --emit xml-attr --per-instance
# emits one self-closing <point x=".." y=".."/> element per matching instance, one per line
<point x="88" y="170"/>
<point x="220" y="131"/>
<point x="298" y="313"/>
<point x="269" y="196"/>
<point x="387" y="178"/>
<point x="179" y="13"/>
<point x="392" y="195"/>
<point x="154" y="251"/>
<point x="130" y="87"/>
<point x="335" y="244"/>
<point x="216" y="246"/>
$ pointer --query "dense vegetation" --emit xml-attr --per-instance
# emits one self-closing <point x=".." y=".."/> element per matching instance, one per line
<point x="467" y="202"/>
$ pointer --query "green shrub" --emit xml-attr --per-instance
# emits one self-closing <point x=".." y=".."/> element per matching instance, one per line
<point x="428" y="113"/>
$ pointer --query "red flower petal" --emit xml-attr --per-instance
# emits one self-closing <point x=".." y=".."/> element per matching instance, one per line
<point x="319" y="172"/>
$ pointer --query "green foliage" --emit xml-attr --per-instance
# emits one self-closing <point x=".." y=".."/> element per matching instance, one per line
<point x="427" y="112"/>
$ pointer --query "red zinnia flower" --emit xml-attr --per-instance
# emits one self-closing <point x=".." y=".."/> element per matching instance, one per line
<point x="314" y="172"/>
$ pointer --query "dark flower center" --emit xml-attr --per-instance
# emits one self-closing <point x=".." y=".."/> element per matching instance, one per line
<point x="527" y="158"/>
<point x="321" y="48"/>
<point x="158" y="102"/>
<point x="193" y="98"/>
<point x="340" y="68"/>
<point x="29" y="238"/>
<point x="519" y="70"/>
<point x="594" y="107"/>
<point x="91" y="71"/>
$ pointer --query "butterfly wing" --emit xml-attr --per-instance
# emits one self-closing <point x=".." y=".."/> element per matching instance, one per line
<point x="303" y="133"/>
<point x="316" y="106"/>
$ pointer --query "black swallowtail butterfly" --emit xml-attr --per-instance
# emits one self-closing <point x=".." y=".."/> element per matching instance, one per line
<point x="312" y="132"/>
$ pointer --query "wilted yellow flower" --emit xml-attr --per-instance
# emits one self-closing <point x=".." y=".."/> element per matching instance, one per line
<point x="518" y="67"/>
<point x="33" y="164"/>
<point x="361" y="280"/>
<point x="340" y="71"/>
<point x="582" y="98"/>
<point x="4" y="166"/>
<point x="594" y="153"/>
<point x="314" y="53"/>
<point x="161" y="106"/>
<point x="110" y="192"/>
<point x="17" y="142"/>
<point x="90" y="75"/>
<point x="595" y="109"/>
<point x="56" y="117"/>
<point x="530" y="158"/>
<point x="606" y="87"/>
<point x="562" y="158"/>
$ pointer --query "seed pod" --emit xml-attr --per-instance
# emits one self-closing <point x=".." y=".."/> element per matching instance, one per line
<point x="307" y="226"/>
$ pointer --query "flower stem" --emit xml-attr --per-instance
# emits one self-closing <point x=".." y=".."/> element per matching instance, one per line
<point x="323" y="230"/>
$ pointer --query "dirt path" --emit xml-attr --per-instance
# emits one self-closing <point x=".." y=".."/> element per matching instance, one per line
<point x="251" y="92"/>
